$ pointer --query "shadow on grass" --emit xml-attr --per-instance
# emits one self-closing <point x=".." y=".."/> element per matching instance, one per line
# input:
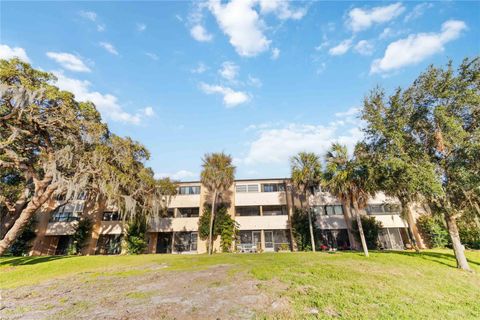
<point x="438" y="257"/>
<point x="24" y="261"/>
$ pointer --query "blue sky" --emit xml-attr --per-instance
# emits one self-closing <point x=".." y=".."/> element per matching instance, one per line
<point x="260" y="79"/>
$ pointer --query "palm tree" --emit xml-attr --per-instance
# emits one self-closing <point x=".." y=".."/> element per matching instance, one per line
<point x="348" y="179"/>
<point x="306" y="175"/>
<point x="217" y="176"/>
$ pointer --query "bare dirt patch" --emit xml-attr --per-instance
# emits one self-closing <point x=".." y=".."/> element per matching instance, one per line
<point x="148" y="293"/>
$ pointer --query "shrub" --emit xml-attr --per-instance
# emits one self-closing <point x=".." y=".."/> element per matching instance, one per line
<point x="433" y="231"/>
<point x="371" y="229"/>
<point x="223" y="225"/>
<point x="301" y="230"/>
<point x="81" y="236"/>
<point x="469" y="229"/>
<point x="23" y="243"/>
<point x="136" y="235"/>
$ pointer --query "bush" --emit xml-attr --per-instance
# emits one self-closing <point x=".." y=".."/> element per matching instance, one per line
<point x="136" y="235"/>
<point x="223" y="225"/>
<point x="433" y="231"/>
<point x="469" y="229"/>
<point x="301" y="229"/>
<point x="81" y="236"/>
<point x="371" y="229"/>
<point x="22" y="245"/>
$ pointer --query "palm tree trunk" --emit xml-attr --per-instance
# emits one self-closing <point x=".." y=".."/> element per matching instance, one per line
<point x="210" y="230"/>
<point x="458" y="248"/>
<point x="310" y="225"/>
<point x="360" y="228"/>
<point x="347" y="215"/>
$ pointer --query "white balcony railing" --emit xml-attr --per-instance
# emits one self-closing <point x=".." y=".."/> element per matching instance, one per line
<point x="260" y="198"/>
<point x="111" y="227"/>
<point x="173" y="224"/>
<point x="263" y="222"/>
<point x="61" y="228"/>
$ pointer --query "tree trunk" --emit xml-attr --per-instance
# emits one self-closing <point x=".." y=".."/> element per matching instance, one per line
<point x="26" y="215"/>
<point x="413" y="235"/>
<point x="360" y="228"/>
<point x="210" y="230"/>
<point x="347" y="215"/>
<point x="458" y="248"/>
<point x="310" y="225"/>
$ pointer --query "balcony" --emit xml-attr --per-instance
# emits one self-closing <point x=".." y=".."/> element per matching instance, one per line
<point x="260" y="198"/>
<point x="391" y="220"/>
<point x="263" y="222"/>
<point x="111" y="227"/>
<point x="185" y="201"/>
<point x="173" y="224"/>
<point x="331" y="222"/>
<point x="61" y="228"/>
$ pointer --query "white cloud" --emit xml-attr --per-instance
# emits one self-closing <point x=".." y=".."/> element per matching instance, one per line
<point x="109" y="47"/>
<point x="281" y="8"/>
<point x="201" y="68"/>
<point x="229" y="70"/>
<point x="277" y="145"/>
<point x="199" y="33"/>
<point x="68" y="61"/>
<point x="179" y="175"/>
<point x="141" y="27"/>
<point x="350" y="112"/>
<point x="417" y="47"/>
<point x="107" y="104"/>
<point x="7" y="52"/>
<point x="242" y="24"/>
<point x="231" y="98"/>
<point x="364" y="47"/>
<point x="361" y="19"/>
<point x="148" y="111"/>
<point x="418" y="11"/>
<point x="275" y="53"/>
<point x="152" y="55"/>
<point x="89" y="15"/>
<point x="341" y="48"/>
<point x="92" y="16"/>
<point x="254" y="82"/>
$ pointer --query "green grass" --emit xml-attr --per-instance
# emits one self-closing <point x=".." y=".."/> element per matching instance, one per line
<point x="400" y="285"/>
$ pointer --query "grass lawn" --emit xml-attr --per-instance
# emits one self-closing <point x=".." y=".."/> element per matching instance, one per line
<point x="400" y="285"/>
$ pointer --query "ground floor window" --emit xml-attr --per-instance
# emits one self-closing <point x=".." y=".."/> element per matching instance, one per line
<point x="63" y="244"/>
<point x="393" y="238"/>
<point x="185" y="241"/>
<point x="109" y="244"/>
<point x="332" y="239"/>
<point x="274" y="240"/>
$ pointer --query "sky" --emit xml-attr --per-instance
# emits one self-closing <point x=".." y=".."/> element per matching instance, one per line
<point x="260" y="80"/>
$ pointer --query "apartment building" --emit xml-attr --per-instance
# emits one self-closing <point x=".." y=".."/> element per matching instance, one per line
<point x="262" y="209"/>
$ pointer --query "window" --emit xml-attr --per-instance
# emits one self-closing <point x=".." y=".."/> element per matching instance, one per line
<point x="329" y="210"/>
<point x="185" y="241"/>
<point x="109" y="244"/>
<point x="374" y="209"/>
<point x="170" y="213"/>
<point x="392" y="208"/>
<point x="82" y="195"/>
<point x="65" y="213"/>
<point x="188" y="212"/>
<point x="273" y="187"/>
<point x="247" y="211"/>
<point x="189" y="190"/>
<point x="111" y="216"/>
<point x="274" y="210"/>
<point x="240" y="188"/>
